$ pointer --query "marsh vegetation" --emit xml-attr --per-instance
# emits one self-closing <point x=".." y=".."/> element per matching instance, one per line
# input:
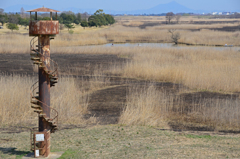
<point x="163" y="88"/>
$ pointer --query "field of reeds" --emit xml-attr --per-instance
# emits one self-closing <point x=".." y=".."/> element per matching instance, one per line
<point x="70" y="102"/>
<point x="196" y="69"/>
<point x="135" y="30"/>
<point x="149" y="106"/>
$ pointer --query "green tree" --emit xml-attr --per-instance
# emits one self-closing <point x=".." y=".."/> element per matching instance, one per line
<point x="84" y="24"/>
<point x="109" y="19"/>
<point x="24" y="22"/>
<point x="68" y="17"/>
<point x="93" y="21"/>
<point x="78" y="17"/>
<point x="12" y="26"/>
<point x="99" y="12"/>
<point x="69" y="26"/>
<point x="46" y="18"/>
<point x="100" y="18"/>
<point x="76" y="21"/>
<point x="3" y="19"/>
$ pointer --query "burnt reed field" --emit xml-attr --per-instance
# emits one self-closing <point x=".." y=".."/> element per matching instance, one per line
<point x="130" y="101"/>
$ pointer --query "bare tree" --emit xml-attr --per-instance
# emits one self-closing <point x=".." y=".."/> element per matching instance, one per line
<point x="22" y="13"/>
<point x="85" y="16"/>
<point x="174" y="36"/>
<point x="178" y="17"/>
<point x="61" y="27"/>
<point x="1" y="11"/>
<point x="169" y="17"/>
<point x="2" y="17"/>
<point x="13" y="19"/>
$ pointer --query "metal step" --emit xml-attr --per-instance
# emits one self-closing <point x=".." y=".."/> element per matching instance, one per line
<point x="52" y="122"/>
<point x="48" y="119"/>
<point x="54" y="78"/>
<point x="37" y="62"/>
<point x="42" y="67"/>
<point x="34" y="54"/>
<point x="35" y="58"/>
<point x="53" y="81"/>
<point x="38" y="111"/>
<point x="54" y="125"/>
<point x="36" y="107"/>
<point x="34" y="50"/>
<point x="42" y="115"/>
<point x="35" y="97"/>
<point x="34" y="101"/>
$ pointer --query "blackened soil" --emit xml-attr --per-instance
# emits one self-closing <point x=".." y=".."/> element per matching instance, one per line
<point x="107" y="103"/>
<point x="227" y="28"/>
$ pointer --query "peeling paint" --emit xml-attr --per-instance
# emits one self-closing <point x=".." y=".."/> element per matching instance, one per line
<point x="43" y="27"/>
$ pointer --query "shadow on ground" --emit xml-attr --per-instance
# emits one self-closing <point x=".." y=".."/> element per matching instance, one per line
<point x="13" y="151"/>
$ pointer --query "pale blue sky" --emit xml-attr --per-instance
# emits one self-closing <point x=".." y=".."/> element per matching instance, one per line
<point x="127" y="5"/>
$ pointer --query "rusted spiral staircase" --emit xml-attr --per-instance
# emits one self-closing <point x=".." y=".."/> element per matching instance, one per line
<point x="43" y="31"/>
<point x="52" y="74"/>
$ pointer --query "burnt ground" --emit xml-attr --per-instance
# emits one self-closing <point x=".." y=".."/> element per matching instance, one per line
<point x="107" y="103"/>
<point x="227" y="28"/>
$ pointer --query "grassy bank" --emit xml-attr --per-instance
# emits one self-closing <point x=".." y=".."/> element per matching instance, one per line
<point x="127" y="142"/>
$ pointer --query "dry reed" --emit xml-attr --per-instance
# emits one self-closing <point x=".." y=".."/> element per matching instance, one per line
<point x="148" y="106"/>
<point x="66" y="98"/>
<point x="17" y="43"/>
<point x="201" y="69"/>
<point x="144" y="107"/>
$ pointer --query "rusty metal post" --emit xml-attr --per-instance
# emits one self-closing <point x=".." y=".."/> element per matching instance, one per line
<point x="44" y="81"/>
<point x="43" y="29"/>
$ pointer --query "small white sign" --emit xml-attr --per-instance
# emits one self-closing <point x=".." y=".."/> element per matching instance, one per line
<point x="37" y="153"/>
<point x="39" y="137"/>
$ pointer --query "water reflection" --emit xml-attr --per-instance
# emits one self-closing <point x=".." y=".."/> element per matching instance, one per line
<point x="168" y="45"/>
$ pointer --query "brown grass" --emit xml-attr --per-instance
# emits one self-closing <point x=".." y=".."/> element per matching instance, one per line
<point x="144" y="107"/>
<point x="201" y="69"/>
<point x="150" y="107"/>
<point x="120" y="33"/>
<point x="70" y="102"/>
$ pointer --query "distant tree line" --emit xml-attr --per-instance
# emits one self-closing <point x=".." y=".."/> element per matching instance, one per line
<point x="170" y="16"/>
<point x="66" y="19"/>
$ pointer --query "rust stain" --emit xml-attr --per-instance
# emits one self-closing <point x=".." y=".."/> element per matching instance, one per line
<point x="43" y="27"/>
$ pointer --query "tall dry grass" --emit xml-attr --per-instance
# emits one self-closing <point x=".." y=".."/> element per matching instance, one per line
<point x="201" y="69"/>
<point x="17" y="43"/>
<point x="70" y="101"/>
<point x="148" y="106"/>
<point x="144" y="106"/>
<point x="15" y="100"/>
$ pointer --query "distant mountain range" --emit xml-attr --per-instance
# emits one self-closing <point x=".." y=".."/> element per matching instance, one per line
<point x="159" y="9"/>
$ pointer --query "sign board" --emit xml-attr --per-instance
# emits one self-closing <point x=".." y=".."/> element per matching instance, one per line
<point x="39" y="137"/>
<point x="36" y="153"/>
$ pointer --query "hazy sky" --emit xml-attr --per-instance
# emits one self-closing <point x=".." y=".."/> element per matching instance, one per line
<point x="127" y="5"/>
